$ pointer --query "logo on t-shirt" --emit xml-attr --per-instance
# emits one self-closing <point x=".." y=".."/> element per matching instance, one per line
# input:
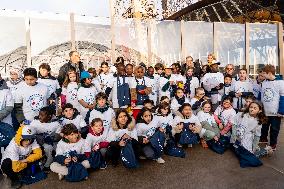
<point x="36" y="102"/>
<point x="90" y="98"/>
<point x="73" y="94"/>
<point x="268" y="95"/>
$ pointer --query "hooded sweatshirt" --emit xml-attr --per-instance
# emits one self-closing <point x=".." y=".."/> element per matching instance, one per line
<point x="16" y="152"/>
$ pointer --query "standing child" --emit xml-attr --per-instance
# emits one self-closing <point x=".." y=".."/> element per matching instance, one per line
<point x="178" y="100"/>
<point x="154" y="84"/>
<point x="15" y="80"/>
<point x="70" y="143"/>
<point x="272" y="97"/>
<point x="86" y="94"/>
<point x="104" y="76"/>
<point x="240" y="89"/>
<point x="51" y="82"/>
<point x="95" y="82"/>
<point x="191" y="83"/>
<point x="20" y="155"/>
<point x="146" y="128"/>
<point x="45" y="129"/>
<point x="102" y="111"/>
<point x="31" y="97"/>
<point x="227" y="86"/>
<point x="97" y="140"/>
<point x="70" y="89"/>
<point x="224" y="115"/>
<point x="166" y="83"/>
<point x="6" y="103"/>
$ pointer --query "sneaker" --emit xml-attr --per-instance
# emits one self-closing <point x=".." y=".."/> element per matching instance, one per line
<point x="189" y="145"/>
<point x="160" y="160"/>
<point x="269" y="150"/>
<point x="103" y="165"/>
<point x="60" y="177"/>
<point x="263" y="141"/>
<point x="16" y="184"/>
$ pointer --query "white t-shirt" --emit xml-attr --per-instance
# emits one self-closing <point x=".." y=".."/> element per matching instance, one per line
<point x="52" y="85"/>
<point x="147" y="130"/>
<point x="154" y="94"/>
<point x="71" y="94"/>
<point x="175" y="105"/>
<point x="13" y="88"/>
<point x="33" y="98"/>
<point x="115" y="135"/>
<point x="89" y="96"/>
<point x="48" y="128"/>
<point x="16" y="152"/>
<point x="106" y="116"/>
<point x="6" y="99"/>
<point x="207" y="117"/>
<point x="64" y="148"/>
<point x="104" y="80"/>
<point x="238" y="87"/>
<point x="78" y="121"/>
<point x="92" y="140"/>
<point x="194" y="83"/>
<point x="227" y="116"/>
<point x="163" y="81"/>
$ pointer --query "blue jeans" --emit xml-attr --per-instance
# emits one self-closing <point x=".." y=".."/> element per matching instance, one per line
<point x="273" y="123"/>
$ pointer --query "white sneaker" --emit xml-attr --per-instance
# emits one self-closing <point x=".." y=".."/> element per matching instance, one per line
<point x="160" y="160"/>
<point x="269" y="150"/>
<point x="60" y="177"/>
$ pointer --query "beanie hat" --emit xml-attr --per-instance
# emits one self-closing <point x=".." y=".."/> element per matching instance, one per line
<point x="85" y="75"/>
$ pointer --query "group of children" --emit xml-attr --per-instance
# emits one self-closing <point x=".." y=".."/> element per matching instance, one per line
<point x="95" y="119"/>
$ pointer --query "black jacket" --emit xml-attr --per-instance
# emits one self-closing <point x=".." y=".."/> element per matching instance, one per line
<point x="65" y="68"/>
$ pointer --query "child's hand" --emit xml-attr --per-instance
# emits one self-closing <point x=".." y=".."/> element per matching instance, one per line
<point x="67" y="160"/>
<point x="197" y="129"/>
<point x="96" y="147"/>
<point x="122" y="143"/>
<point x="216" y="138"/>
<point x="221" y="126"/>
<point x="75" y="159"/>
<point x="145" y="140"/>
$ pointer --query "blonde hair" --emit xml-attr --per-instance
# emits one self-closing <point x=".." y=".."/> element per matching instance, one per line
<point x="67" y="80"/>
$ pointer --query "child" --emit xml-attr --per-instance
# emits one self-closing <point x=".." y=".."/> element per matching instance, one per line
<point x="165" y="99"/>
<point x="31" y="97"/>
<point x="122" y="129"/>
<point x="95" y="82"/>
<point x="166" y="83"/>
<point x="119" y="89"/>
<point x="129" y="70"/>
<point x="208" y="123"/>
<point x="86" y="94"/>
<point x="227" y="86"/>
<point x="15" y="80"/>
<point x="178" y="100"/>
<point x="257" y="85"/>
<point x="196" y="101"/>
<point x="248" y="100"/>
<point x="70" y="89"/>
<point x="191" y="83"/>
<point x="178" y="79"/>
<point x="146" y="127"/>
<point x="247" y="127"/>
<point x="70" y="142"/>
<point x="104" y="76"/>
<point x="224" y="115"/>
<point x="45" y="130"/>
<point x="71" y="115"/>
<point x="102" y="111"/>
<point x="165" y="118"/>
<point x="21" y="154"/>
<point x="149" y="104"/>
<point x="240" y="89"/>
<point x="185" y="122"/>
<point x="154" y="84"/>
<point x="6" y="103"/>
<point x="272" y="96"/>
<point x="96" y="140"/>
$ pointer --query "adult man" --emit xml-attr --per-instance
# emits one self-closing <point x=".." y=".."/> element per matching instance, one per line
<point x="189" y="63"/>
<point x="73" y="64"/>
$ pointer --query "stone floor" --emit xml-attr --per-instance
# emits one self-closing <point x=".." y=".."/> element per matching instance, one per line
<point x="201" y="168"/>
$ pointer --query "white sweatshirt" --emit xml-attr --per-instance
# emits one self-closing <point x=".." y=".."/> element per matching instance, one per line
<point x="52" y="85"/>
<point x="13" y="88"/>
<point x="78" y="121"/>
<point x="147" y="130"/>
<point x="6" y="99"/>
<point x="88" y="95"/>
<point x="33" y="98"/>
<point x="175" y="105"/>
<point x="48" y="128"/>
<point x="92" y="140"/>
<point x="64" y="148"/>
<point x="71" y="94"/>
<point x="107" y="116"/>
<point x="115" y="135"/>
<point x="240" y="86"/>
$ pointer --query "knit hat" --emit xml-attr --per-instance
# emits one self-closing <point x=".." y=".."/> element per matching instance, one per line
<point x="85" y="75"/>
<point x="16" y="70"/>
<point x="28" y="133"/>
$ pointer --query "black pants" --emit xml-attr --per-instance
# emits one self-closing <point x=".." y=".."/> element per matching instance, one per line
<point x="273" y="124"/>
<point x="7" y="169"/>
<point x="113" y="151"/>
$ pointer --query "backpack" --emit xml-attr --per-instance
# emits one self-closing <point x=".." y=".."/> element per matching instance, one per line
<point x="187" y="136"/>
<point x="172" y="150"/>
<point x="127" y="156"/>
<point x="157" y="141"/>
<point x="6" y="134"/>
<point x="76" y="171"/>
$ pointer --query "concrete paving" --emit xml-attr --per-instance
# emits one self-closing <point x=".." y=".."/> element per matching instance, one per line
<point x="201" y="169"/>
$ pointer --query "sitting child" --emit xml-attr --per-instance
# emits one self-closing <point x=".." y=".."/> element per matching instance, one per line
<point x="20" y="155"/>
<point x="196" y="101"/>
<point x="178" y="100"/>
<point x="71" y="142"/>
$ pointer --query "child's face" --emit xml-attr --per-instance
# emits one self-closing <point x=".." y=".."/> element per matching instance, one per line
<point x="243" y="75"/>
<point x="104" y="68"/>
<point x="229" y="69"/>
<point x="209" y="58"/>
<point x="88" y="81"/>
<point x="167" y="100"/>
<point x="160" y="71"/>
<point x="44" y="117"/>
<point x="97" y="127"/>
<point x="189" y="72"/>
<point x="179" y="93"/>
<point x="164" y="111"/>
<point x="25" y="143"/>
<point x="260" y="77"/>
<point x="187" y="111"/>
<point x="30" y="80"/>
<point x="254" y="109"/>
<point x="14" y="75"/>
<point x="43" y="72"/>
<point x="226" y="104"/>
<point x="228" y="80"/>
<point x="129" y="70"/>
<point x="101" y="102"/>
<point x="147" y="116"/>
<point x="174" y="69"/>
<point x="151" y="71"/>
<point x="200" y="93"/>
<point x="139" y="73"/>
<point x="168" y="71"/>
<point x="72" y="77"/>
<point x="68" y="113"/>
<point x="122" y="118"/>
<point x="121" y="70"/>
<point x="72" y="138"/>
<point x="207" y="108"/>
<point x="148" y="106"/>
<point x="248" y="102"/>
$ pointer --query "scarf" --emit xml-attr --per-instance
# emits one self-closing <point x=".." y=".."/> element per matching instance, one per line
<point x="167" y="77"/>
<point x="15" y="82"/>
<point x="95" y="134"/>
<point x="180" y="100"/>
<point x="102" y="109"/>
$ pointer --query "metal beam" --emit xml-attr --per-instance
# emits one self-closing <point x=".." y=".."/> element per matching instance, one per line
<point x="214" y="9"/>
<point x="226" y="10"/>
<point x="280" y="47"/>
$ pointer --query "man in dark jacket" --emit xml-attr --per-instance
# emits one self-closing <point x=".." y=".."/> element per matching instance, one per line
<point x="189" y="63"/>
<point x="73" y="64"/>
